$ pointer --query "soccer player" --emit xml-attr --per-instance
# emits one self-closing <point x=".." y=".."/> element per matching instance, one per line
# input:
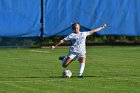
<point x="78" y="48"/>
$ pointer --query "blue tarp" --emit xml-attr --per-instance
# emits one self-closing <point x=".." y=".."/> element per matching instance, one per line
<point x="22" y="17"/>
<point x="121" y="16"/>
<point x="19" y="18"/>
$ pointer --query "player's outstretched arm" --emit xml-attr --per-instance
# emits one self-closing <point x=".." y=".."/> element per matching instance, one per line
<point x="97" y="29"/>
<point x="60" y="42"/>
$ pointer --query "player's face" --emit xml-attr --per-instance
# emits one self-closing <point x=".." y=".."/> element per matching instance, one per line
<point x="77" y="28"/>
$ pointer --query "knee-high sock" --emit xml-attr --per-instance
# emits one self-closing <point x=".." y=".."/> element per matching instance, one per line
<point x="81" y="69"/>
<point x="63" y="60"/>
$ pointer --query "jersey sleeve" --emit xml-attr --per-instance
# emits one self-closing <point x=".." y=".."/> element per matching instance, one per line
<point x="67" y="38"/>
<point x="87" y="33"/>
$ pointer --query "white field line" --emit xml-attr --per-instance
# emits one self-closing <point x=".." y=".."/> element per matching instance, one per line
<point x="25" y="81"/>
<point x="38" y="51"/>
<point x="6" y="58"/>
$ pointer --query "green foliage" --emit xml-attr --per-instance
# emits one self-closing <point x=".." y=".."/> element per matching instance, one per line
<point x="38" y="42"/>
<point x="20" y="42"/>
<point x="100" y="39"/>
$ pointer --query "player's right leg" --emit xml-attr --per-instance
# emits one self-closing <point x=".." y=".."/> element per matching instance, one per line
<point x="62" y="57"/>
<point x="66" y="62"/>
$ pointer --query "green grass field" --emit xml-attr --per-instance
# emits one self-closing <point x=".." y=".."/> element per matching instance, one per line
<point x="108" y="70"/>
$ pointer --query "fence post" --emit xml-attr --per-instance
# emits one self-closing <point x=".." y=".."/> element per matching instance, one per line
<point x="42" y="22"/>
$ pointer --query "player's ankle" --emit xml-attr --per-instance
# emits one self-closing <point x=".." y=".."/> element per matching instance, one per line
<point x="62" y="57"/>
<point x="80" y="74"/>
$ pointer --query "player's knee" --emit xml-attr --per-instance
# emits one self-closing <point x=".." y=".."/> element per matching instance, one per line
<point x="82" y="59"/>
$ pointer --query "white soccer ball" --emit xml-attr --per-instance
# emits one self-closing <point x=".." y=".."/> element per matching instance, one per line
<point x="67" y="73"/>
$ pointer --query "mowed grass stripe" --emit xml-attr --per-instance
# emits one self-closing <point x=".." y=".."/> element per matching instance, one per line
<point x="108" y="70"/>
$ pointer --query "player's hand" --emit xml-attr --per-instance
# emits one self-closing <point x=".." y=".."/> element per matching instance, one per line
<point x="53" y="47"/>
<point x="103" y="26"/>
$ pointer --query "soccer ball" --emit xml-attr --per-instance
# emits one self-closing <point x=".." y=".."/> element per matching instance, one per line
<point x="67" y="73"/>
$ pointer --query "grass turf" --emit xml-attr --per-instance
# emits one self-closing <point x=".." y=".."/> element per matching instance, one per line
<point x="108" y="70"/>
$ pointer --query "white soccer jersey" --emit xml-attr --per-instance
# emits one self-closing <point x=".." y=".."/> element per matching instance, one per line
<point x="78" y="42"/>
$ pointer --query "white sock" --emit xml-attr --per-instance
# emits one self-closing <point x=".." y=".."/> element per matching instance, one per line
<point x="81" y="69"/>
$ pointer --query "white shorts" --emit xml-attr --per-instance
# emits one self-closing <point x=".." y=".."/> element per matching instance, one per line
<point x="74" y="55"/>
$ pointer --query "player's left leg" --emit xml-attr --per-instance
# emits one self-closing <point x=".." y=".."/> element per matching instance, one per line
<point x="82" y="61"/>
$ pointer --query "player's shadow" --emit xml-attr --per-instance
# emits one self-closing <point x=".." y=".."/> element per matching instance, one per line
<point x="74" y="76"/>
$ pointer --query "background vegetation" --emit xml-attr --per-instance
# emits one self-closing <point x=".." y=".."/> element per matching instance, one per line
<point x="38" y="42"/>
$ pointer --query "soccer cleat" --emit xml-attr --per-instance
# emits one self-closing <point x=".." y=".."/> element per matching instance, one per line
<point x="61" y="57"/>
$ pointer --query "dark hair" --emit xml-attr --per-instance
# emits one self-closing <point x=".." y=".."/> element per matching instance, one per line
<point x="74" y="25"/>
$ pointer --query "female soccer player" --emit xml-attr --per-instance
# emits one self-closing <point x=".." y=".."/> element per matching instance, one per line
<point x="78" y="48"/>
